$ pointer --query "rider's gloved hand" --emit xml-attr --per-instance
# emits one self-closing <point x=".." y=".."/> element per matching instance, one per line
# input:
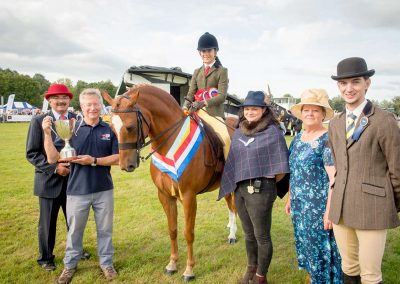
<point x="196" y="105"/>
<point x="185" y="111"/>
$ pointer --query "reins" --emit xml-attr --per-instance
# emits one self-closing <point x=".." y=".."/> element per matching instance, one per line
<point x="174" y="127"/>
<point x="216" y="118"/>
<point x="140" y="142"/>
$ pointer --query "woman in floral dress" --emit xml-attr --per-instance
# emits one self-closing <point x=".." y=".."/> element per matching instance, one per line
<point x="311" y="174"/>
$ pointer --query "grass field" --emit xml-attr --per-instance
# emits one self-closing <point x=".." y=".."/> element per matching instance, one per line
<point x="140" y="232"/>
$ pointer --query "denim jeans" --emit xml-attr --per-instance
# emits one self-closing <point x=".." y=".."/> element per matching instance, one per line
<point x="78" y="207"/>
<point x="255" y="213"/>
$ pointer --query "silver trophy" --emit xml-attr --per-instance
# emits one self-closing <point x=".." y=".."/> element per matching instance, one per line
<point x="65" y="130"/>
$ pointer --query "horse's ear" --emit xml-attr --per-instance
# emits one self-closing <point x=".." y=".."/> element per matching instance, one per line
<point x="107" y="97"/>
<point x="133" y="94"/>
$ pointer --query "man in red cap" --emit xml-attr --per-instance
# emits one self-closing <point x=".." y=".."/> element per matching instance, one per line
<point x="50" y="181"/>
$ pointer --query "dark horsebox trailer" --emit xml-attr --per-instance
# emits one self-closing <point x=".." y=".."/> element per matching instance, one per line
<point x="172" y="80"/>
<point x="176" y="82"/>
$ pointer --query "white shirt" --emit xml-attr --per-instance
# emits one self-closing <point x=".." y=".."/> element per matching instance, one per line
<point x="210" y="65"/>
<point x="57" y="115"/>
<point x="357" y="112"/>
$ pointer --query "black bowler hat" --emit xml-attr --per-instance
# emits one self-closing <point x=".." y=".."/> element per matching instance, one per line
<point x="352" y="67"/>
<point x="254" y="98"/>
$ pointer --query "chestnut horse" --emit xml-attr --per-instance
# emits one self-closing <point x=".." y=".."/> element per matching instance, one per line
<point x="147" y="111"/>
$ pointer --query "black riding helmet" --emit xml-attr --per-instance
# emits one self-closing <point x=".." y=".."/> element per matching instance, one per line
<point x="207" y="41"/>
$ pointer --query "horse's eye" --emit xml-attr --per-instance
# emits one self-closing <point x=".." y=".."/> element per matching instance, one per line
<point x="130" y="128"/>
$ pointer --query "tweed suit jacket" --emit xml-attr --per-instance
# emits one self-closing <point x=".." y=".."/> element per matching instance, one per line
<point x="216" y="78"/>
<point x="366" y="193"/>
<point x="47" y="184"/>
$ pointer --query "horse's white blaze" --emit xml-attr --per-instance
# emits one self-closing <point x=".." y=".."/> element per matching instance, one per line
<point x="117" y="123"/>
<point x="232" y="225"/>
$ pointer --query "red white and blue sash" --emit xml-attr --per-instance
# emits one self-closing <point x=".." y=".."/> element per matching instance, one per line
<point x="202" y="95"/>
<point x="181" y="152"/>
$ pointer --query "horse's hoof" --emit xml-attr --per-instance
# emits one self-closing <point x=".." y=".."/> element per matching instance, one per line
<point x="188" y="278"/>
<point x="170" y="272"/>
<point x="231" y="241"/>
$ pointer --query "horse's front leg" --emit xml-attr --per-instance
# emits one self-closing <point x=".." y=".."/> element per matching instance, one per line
<point x="230" y="201"/>
<point x="189" y="207"/>
<point x="170" y="209"/>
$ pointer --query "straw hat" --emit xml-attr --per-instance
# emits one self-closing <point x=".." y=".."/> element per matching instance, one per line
<point x="318" y="97"/>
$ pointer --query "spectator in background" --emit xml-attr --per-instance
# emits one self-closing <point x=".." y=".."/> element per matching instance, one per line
<point x="298" y="126"/>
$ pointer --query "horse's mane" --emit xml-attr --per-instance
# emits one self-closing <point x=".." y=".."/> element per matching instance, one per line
<point x="167" y="99"/>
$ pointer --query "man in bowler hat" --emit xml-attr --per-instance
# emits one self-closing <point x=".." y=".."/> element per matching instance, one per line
<point x="365" y="199"/>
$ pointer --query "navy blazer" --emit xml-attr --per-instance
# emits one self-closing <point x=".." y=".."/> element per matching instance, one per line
<point x="47" y="184"/>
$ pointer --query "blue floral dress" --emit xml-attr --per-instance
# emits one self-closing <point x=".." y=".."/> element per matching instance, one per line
<point x="316" y="248"/>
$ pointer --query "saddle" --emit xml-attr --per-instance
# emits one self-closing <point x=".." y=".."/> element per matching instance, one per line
<point x="216" y="159"/>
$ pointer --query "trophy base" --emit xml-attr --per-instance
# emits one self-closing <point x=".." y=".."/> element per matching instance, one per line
<point x="67" y="160"/>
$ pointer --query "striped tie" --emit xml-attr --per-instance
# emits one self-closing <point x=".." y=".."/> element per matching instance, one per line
<point x="351" y="122"/>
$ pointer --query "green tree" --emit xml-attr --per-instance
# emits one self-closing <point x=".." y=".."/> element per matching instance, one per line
<point x="104" y="85"/>
<point x="23" y="86"/>
<point x="396" y="104"/>
<point x="385" y="104"/>
<point x="32" y="89"/>
<point x="375" y="102"/>
<point x="337" y="103"/>
<point x="66" y="81"/>
<point x="42" y="82"/>
<point x="80" y="85"/>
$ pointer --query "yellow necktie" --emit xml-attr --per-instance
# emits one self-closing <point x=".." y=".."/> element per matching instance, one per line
<point x="351" y="123"/>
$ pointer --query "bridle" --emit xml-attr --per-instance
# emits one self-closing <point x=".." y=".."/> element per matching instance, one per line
<point x="140" y="142"/>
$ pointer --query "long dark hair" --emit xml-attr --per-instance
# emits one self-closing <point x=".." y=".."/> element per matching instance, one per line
<point x="268" y="116"/>
<point x="217" y="62"/>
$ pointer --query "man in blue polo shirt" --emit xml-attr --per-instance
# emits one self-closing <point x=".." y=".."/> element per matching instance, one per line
<point x="89" y="184"/>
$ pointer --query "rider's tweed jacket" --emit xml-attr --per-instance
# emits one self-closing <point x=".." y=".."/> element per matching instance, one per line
<point x="217" y="77"/>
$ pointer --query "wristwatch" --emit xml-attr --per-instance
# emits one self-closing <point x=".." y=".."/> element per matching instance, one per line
<point x="94" y="162"/>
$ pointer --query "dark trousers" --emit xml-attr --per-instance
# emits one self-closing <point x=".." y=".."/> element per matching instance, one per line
<point x="49" y="208"/>
<point x="255" y="212"/>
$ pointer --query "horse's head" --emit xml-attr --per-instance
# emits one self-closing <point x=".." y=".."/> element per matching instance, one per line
<point x="130" y="126"/>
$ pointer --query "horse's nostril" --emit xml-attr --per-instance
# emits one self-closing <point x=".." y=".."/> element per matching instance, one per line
<point x="130" y="168"/>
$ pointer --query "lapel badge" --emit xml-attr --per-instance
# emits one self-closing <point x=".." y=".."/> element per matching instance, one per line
<point x="357" y="133"/>
<point x="364" y="121"/>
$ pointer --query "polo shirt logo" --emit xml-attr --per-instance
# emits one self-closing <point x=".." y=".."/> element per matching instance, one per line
<point x="105" y="136"/>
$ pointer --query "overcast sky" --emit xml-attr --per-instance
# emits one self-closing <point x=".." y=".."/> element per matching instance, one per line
<point x="290" y="44"/>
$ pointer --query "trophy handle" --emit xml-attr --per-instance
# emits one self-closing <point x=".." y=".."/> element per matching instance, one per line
<point x="52" y="120"/>
<point x="79" y="118"/>
<point x="72" y="123"/>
